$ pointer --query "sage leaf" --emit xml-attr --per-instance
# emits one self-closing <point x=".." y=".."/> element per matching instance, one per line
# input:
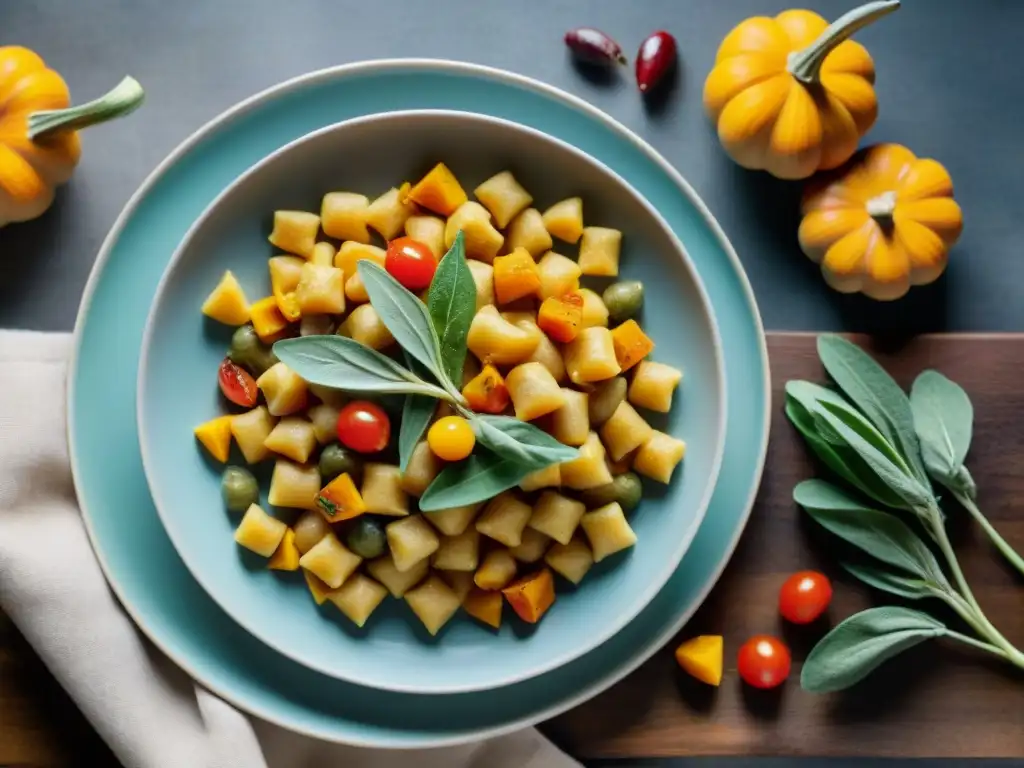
<point x="875" y="392"/>
<point x="510" y="437"/>
<point x="405" y="316"/>
<point x="892" y="582"/>
<point x="341" y="363"/>
<point x="480" y="477"/>
<point x="451" y="303"/>
<point x="417" y="411"/>
<point x="943" y="420"/>
<point x="862" y="643"/>
<point x="879" y="534"/>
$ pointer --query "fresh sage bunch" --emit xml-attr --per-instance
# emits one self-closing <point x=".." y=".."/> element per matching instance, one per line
<point x="432" y="336"/>
<point x="885" y="449"/>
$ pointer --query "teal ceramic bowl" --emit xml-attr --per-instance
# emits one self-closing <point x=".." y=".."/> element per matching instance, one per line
<point x="177" y="390"/>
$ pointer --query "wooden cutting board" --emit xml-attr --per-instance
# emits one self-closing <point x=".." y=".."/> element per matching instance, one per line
<point x="936" y="700"/>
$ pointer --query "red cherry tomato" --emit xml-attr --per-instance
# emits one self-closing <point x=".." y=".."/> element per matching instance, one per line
<point x="763" y="661"/>
<point x="364" y="427"/>
<point x="237" y="384"/>
<point x="410" y="262"/>
<point x="804" y="596"/>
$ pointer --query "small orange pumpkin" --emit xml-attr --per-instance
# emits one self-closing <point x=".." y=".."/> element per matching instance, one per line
<point x="39" y="146"/>
<point x="792" y="95"/>
<point x="882" y="223"/>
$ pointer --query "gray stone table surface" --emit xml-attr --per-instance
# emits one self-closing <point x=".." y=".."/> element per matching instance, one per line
<point x="949" y="86"/>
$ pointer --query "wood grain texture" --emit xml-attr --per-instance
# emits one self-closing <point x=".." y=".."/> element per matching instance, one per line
<point x="938" y="700"/>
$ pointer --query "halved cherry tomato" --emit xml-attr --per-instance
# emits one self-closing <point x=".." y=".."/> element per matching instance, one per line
<point x="237" y="384"/>
<point x="764" y="661"/>
<point x="410" y="262"/>
<point x="804" y="596"/>
<point x="364" y="426"/>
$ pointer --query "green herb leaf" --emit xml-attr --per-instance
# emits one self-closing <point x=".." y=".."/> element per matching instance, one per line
<point x="451" y="303"/>
<point x="889" y="581"/>
<point x="861" y="643"/>
<point x="480" y="477"/>
<point x="405" y="316"/>
<point x="341" y="363"/>
<point x="875" y="392"/>
<point x="943" y="419"/>
<point x="416" y="414"/>
<point x="880" y="534"/>
<point x="510" y="437"/>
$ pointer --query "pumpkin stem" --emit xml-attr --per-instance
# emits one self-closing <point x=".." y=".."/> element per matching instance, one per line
<point x="805" y="65"/>
<point x="881" y="207"/>
<point x="124" y="98"/>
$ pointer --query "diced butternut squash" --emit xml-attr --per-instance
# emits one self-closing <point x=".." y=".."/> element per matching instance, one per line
<point x="294" y="485"/>
<point x="344" y="216"/>
<point x="340" y="499"/>
<point x="330" y="561"/>
<point x="295" y="232"/>
<point x="515" y="276"/>
<point x="504" y="519"/>
<point x="458" y="553"/>
<point x="532" y="547"/>
<point x="591" y="356"/>
<point x="625" y="431"/>
<point x="595" y="313"/>
<point x="293" y="437"/>
<point x="387" y="214"/>
<point x="589" y="469"/>
<point x="250" y="430"/>
<point x="317" y="588"/>
<point x="599" y="251"/>
<point x="321" y="290"/>
<point x="351" y="253"/>
<point x="558" y="275"/>
<point x="267" y="320"/>
<point x="323" y="254"/>
<point x="411" y="540"/>
<point x="286" y="556"/>
<point x="483" y="276"/>
<point x="527" y="231"/>
<point x="549" y="477"/>
<point x="556" y="516"/>
<point x="259" y="532"/>
<point x="429" y="230"/>
<point x="484" y="606"/>
<point x="215" y="436"/>
<point x="653" y="385"/>
<point x="631" y="344"/>
<point x="495" y="340"/>
<point x="397" y="582"/>
<point x="482" y="241"/>
<point x="439" y="191"/>
<point x="561" y="317"/>
<point x="550" y="356"/>
<point x="324" y="418"/>
<point x="497" y="570"/>
<point x="659" y="456"/>
<point x="364" y="325"/>
<point x="503" y="196"/>
<point x="701" y="657"/>
<point x="423" y="467"/>
<point x="571" y="560"/>
<point x="531" y="596"/>
<point x="607" y="531"/>
<point x="534" y="391"/>
<point x="382" y="490"/>
<point x="285" y="272"/>
<point x="570" y="424"/>
<point x="461" y="582"/>
<point x="358" y="597"/>
<point x="487" y="392"/>
<point x="433" y="602"/>
<point x="453" y="521"/>
<point x="564" y="219"/>
<point x="227" y="303"/>
<point x="284" y="390"/>
<point x="309" y="529"/>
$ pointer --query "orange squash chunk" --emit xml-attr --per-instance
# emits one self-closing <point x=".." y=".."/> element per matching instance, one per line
<point x="340" y="499"/>
<point x="531" y="596"/>
<point x="486" y="392"/>
<point x="438" y="191"/>
<point x="286" y="558"/>
<point x="515" y="276"/>
<point x="561" y="317"/>
<point x="631" y="344"/>
<point x="484" y="606"/>
<point x="267" y="320"/>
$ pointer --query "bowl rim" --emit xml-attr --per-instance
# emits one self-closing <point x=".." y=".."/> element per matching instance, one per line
<point x="595" y="639"/>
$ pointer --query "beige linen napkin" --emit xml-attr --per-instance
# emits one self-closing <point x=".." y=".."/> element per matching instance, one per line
<point x="150" y="712"/>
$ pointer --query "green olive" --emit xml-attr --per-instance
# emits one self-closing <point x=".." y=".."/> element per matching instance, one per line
<point x="366" y="538"/>
<point x="623" y="299"/>
<point x="334" y="460"/>
<point x="239" y="488"/>
<point x="625" y="489"/>
<point x="248" y="351"/>
<point x="605" y="398"/>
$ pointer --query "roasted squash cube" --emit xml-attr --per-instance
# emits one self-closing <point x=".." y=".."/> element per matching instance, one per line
<point x="607" y="531"/>
<point x="215" y="436"/>
<point x="531" y="596"/>
<point x="532" y="547"/>
<point x="267" y="320"/>
<point x="340" y="499"/>
<point x="556" y="516"/>
<point x="411" y="540"/>
<point x="534" y="391"/>
<point x="344" y="216"/>
<point x="227" y="303"/>
<point x="433" y="602"/>
<point x="398" y="582"/>
<point x="458" y="553"/>
<point x="527" y="231"/>
<point x="317" y="588"/>
<point x="487" y="392"/>
<point x="423" y="467"/>
<point x="482" y="241"/>
<point x="286" y="556"/>
<point x="558" y="275"/>
<point x="284" y="390"/>
<point x="259" y="532"/>
<point x="428" y="230"/>
<point x="358" y="597"/>
<point x="588" y="470"/>
<point x="453" y="521"/>
<point x="497" y="570"/>
<point x="439" y="191"/>
<point x="631" y="344"/>
<point x="484" y="606"/>
<point x="701" y="657"/>
<point x="321" y="290"/>
<point x="295" y="232"/>
<point x="503" y="196"/>
<point x="625" y="431"/>
<point x="591" y="356"/>
<point x="561" y="317"/>
<point x="571" y="560"/>
<point x="504" y="519"/>
<point x="493" y="339"/>
<point x="515" y="276"/>
<point x="599" y="251"/>
<point x="294" y="485"/>
<point x="330" y="561"/>
<point x="293" y="437"/>
<point x="659" y="456"/>
<point x="250" y="430"/>
<point x="365" y="326"/>
<point x="564" y="219"/>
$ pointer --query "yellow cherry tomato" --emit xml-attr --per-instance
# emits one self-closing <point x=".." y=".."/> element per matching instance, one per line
<point x="451" y="438"/>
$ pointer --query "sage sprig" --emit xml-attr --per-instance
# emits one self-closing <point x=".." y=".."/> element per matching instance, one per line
<point x="433" y="340"/>
<point x="887" y="448"/>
